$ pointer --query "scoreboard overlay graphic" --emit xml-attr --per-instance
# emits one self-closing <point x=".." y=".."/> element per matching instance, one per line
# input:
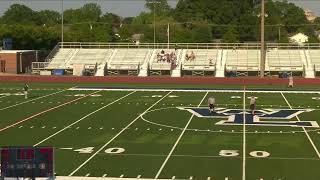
<point x="27" y="162"/>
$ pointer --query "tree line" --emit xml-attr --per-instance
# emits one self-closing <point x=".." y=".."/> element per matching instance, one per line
<point x="191" y="21"/>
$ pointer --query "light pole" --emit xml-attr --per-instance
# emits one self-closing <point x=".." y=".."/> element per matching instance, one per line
<point x="154" y="2"/>
<point x="262" y="50"/>
<point x="62" y="9"/>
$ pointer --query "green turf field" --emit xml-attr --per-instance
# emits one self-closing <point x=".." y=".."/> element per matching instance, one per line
<point x="162" y="134"/>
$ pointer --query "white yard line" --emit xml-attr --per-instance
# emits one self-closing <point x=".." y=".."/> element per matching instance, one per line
<point x="244" y="136"/>
<point x="178" y="140"/>
<point x="106" y="144"/>
<point x="32" y="100"/>
<point x="4" y="96"/>
<point x="84" y="117"/>
<point x="194" y="90"/>
<point x="304" y="129"/>
<point x="45" y="111"/>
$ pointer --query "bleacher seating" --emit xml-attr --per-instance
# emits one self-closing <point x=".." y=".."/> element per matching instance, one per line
<point x="284" y="60"/>
<point x="89" y="56"/>
<point x="242" y="60"/>
<point x="315" y="58"/>
<point x="128" y="59"/>
<point x="205" y="59"/>
<point x="67" y="57"/>
<point x="60" y="59"/>
<point x="157" y="63"/>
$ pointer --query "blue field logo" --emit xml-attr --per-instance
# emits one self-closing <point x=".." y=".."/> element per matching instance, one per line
<point x="265" y="117"/>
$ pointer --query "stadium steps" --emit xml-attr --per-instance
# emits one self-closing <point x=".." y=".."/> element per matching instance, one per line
<point x="176" y="72"/>
<point x="220" y="64"/>
<point x="143" y="71"/>
<point x="309" y="69"/>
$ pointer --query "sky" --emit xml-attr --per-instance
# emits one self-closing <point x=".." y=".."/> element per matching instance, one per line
<point x="124" y="8"/>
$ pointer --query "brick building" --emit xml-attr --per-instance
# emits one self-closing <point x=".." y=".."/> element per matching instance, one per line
<point x="16" y="61"/>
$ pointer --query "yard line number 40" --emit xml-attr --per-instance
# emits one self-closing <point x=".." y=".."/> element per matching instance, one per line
<point x="225" y="153"/>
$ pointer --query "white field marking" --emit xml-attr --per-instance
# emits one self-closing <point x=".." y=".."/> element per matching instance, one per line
<point x="304" y="129"/>
<point x="111" y="140"/>
<point x="193" y="90"/>
<point x="139" y="176"/>
<point x="121" y="176"/>
<point x="178" y="140"/>
<point x="32" y="100"/>
<point x="87" y="175"/>
<point x="4" y="96"/>
<point x="84" y="117"/>
<point x="244" y="136"/>
<point x="217" y="156"/>
<point x="104" y="175"/>
<point x="43" y="112"/>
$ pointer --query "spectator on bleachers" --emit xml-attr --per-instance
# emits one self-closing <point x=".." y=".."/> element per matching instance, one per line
<point x="192" y="56"/>
<point x="168" y="57"/>
<point x="210" y="61"/>
<point x="158" y="57"/>
<point x="187" y="57"/>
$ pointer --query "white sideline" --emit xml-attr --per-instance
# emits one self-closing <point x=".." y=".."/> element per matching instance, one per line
<point x="304" y="129"/>
<point x="105" y="145"/>
<point x="244" y="136"/>
<point x="193" y="90"/>
<point x="84" y="117"/>
<point x="33" y="99"/>
<point x="178" y="140"/>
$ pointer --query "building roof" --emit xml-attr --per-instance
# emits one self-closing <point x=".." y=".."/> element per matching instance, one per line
<point x="14" y="51"/>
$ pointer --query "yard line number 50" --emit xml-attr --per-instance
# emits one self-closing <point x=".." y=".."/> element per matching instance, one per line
<point x="233" y="153"/>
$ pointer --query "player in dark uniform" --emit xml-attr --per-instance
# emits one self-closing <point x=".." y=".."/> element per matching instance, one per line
<point x="252" y="105"/>
<point x="25" y="90"/>
<point x="211" y="104"/>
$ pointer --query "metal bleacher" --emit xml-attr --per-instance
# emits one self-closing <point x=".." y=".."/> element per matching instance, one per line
<point x="89" y="56"/>
<point x="61" y="58"/>
<point x="315" y="58"/>
<point x="128" y="59"/>
<point x="158" y="64"/>
<point x="205" y="60"/>
<point x="212" y="59"/>
<point x="242" y="60"/>
<point x="283" y="60"/>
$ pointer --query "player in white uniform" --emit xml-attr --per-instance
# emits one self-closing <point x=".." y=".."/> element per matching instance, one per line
<point x="211" y="103"/>
<point x="252" y="104"/>
<point x="290" y="85"/>
<point x="25" y="90"/>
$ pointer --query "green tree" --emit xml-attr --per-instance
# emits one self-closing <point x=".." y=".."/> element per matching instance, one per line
<point x="19" y="14"/>
<point x="231" y="36"/>
<point x="160" y="6"/>
<point x="48" y="18"/>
